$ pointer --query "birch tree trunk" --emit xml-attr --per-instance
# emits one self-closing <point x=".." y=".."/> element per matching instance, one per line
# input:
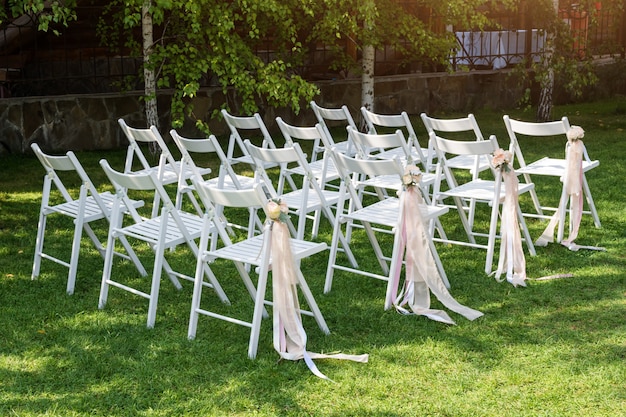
<point x="368" y="60"/>
<point x="367" y="79"/>
<point x="152" y="115"/>
<point x="544" y="108"/>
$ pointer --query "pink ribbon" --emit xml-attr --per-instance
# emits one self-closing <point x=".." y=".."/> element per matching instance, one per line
<point x="422" y="275"/>
<point x="511" y="261"/>
<point x="289" y="335"/>
<point x="572" y="185"/>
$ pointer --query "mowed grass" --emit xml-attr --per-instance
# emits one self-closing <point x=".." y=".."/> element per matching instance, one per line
<point x="555" y="348"/>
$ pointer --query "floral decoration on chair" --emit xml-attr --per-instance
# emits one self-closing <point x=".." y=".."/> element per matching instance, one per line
<point x="289" y="335"/>
<point x="422" y="275"/>
<point x="277" y="210"/>
<point x="572" y="188"/>
<point x="575" y="133"/>
<point x="502" y="160"/>
<point x="412" y="176"/>
<point x="511" y="262"/>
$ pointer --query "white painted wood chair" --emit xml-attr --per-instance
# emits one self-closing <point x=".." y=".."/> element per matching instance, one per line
<point x="308" y="197"/>
<point x="89" y="207"/>
<point x="549" y="166"/>
<point x="227" y="178"/>
<point x="489" y="191"/>
<point x="386" y="123"/>
<point x="166" y="231"/>
<point x="241" y="128"/>
<point x="255" y="251"/>
<point x="333" y="117"/>
<point x="167" y="169"/>
<point x="365" y="142"/>
<point x="461" y="128"/>
<point x="314" y="137"/>
<point x="376" y="217"/>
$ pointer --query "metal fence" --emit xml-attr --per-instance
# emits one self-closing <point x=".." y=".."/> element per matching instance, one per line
<point x="40" y="64"/>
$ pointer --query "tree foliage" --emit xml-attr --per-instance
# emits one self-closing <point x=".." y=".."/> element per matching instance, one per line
<point x="414" y="30"/>
<point x="256" y="49"/>
<point x="45" y="14"/>
<point x="567" y="62"/>
<point x="196" y="39"/>
<point x="225" y="40"/>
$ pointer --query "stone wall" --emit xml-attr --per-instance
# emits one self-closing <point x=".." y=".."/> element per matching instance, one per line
<point x="89" y="122"/>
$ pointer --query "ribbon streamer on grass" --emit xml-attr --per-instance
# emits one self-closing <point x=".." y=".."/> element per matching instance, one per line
<point x="572" y="187"/>
<point x="289" y="335"/>
<point x="422" y="275"/>
<point x="572" y="184"/>
<point x="511" y="261"/>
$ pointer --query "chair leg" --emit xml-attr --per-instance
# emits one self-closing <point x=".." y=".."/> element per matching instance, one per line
<point x="155" y="206"/>
<point x="259" y="302"/>
<point x="562" y="213"/>
<point x="301" y="224"/>
<point x="198" y="281"/>
<point x="464" y="221"/>
<point x="524" y="228"/>
<point x="590" y="203"/>
<point x="491" y="243"/>
<point x="317" y="215"/>
<point x="133" y="256"/>
<point x="376" y="246"/>
<point x="106" y="271"/>
<point x="533" y="195"/>
<point x="154" y="288"/>
<point x="308" y="296"/>
<point x="247" y="282"/>
<point x="170" y="272"/>
<point x="41" y="228"/>
<point x="207" y="271"/>
<point x="78" y="232"/>
<point x="344" y="243"/>
<point x="332" y="256"/>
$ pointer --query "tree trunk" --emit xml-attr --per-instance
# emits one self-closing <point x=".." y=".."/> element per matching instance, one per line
<point x="152" y="115"/>
<point x="369" y="60"/>
<point x="544" y="109"/>
<point x="367" y="79"/>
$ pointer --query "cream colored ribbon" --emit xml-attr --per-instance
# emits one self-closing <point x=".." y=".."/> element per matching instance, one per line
<point x="289" y="335"/>
<point x="511" y="262"/>
<point x="572" y="184"/>
<point x="422" y="275"/>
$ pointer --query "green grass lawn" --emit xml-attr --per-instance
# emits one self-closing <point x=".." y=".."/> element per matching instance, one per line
<point x="555" y="348"/>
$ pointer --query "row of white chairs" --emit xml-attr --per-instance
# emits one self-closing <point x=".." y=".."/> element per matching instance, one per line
<point x="361" y="161"/>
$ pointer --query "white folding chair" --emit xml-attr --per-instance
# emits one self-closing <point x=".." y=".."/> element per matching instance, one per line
<point x="489" y="191"/>
<point x="314" y="137"/>
<point x="226" y="178"/>
<point x="364" y="142"/>
<point x="252" y="128"/>
<point x="381" y="123"/>
<point x="462" y="128"/>
<point x="382" y="214"/>
<point x="547" y="165"/>
<point x="90" y="206"/>
<point x="254" y="251"/>
<point x="332" y="117"/>
<point x="171" y="228"/>
<point x="167" y="170"/>
<point x="310" y="197"/>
